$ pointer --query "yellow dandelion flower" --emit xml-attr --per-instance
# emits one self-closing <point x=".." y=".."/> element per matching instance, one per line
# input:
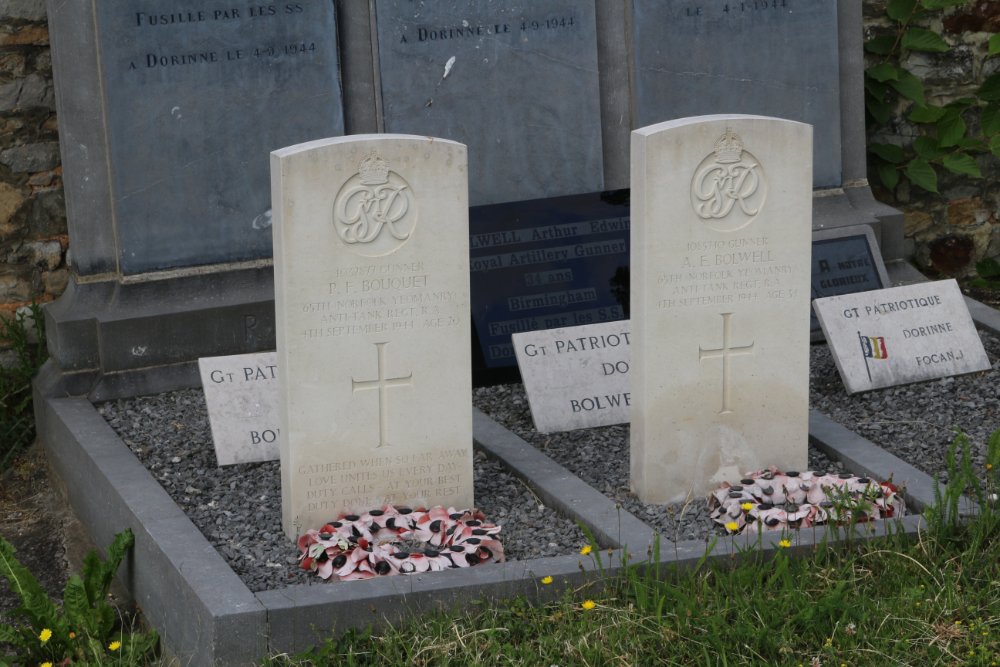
<point x="114" y="646"/>
<point x="45" y="635"/>
<point x="746" y="507"/>
<point x="46" y="664"/>
<point x="547" y="580"/>
<point x="784" y="544"/>
<point x="989" y="466"/>
<point x="72" y="635"/>
<point x="585" y="550"/>
<point x="588" y="604"/>
<point x="733" y="527"/>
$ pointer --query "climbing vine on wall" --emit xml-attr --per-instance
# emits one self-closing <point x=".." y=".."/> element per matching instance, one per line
<point x="948" y="136"/>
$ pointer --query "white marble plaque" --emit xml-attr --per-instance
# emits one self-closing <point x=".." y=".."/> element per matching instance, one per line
<point x="900" y="335"/>
<point x="576" y="377"/>
<point x="371" y="273"/>
<point x="241" y="392"/>
<point x="720" y="267"/>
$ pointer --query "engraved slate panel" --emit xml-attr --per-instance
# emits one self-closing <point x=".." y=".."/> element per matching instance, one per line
<point x="765" y="57"/>
<point x="545" y="264"/>
<point x="515" y="81"/>
<point x="197" y="97"/>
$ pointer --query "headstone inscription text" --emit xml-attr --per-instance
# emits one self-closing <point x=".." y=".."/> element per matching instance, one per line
<point x="721" y="210"/>
<point x="372" y="302"/>
<point x="576" y="377"/>
<point x="547" y="264"/>
<point x="900" y="335"/>
<point x="776" y="58"/>
<point x="515" y="81"/>
<point x="241" y="392"/>
<point x="189" y="168"/>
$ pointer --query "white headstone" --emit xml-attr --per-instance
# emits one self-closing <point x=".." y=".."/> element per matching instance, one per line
<point x="576" y="377"/>
<point x="721" y="238"/>
<point x="904" y="334"/>
<point x="371" y="281"/>
<point x="241" y="392"/>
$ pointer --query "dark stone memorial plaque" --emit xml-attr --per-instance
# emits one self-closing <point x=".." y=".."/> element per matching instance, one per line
<point x="198" y="95"/>
<point x="515" y="81"/>
<point x="544" y="264"/>
<point x="844" y="261"/>
<point x="765" y="57"/>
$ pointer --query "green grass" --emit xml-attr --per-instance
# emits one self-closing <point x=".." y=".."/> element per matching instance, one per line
<point x="933" y="599"/>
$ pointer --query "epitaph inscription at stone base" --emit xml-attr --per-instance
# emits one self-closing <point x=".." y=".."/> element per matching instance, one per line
<point x="775" y="58"/>
<point x="371" y="280"/>
<point x="900" y="335"/>
<point x="721" y="225"/>
<point x="241" y="392"/>
<point x="516" y="81"/>
<point x="576" y="377"/>
<point x="198" y="94"/>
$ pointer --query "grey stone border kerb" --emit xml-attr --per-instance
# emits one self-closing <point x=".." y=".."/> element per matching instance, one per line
<point x="558" y="488"/>
<point x="207" y="616"/>
<point x="201" y="609"/>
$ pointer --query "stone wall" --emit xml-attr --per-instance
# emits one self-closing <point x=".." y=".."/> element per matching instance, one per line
<point x="948" y="232"/>
<point x="33" y="240"/>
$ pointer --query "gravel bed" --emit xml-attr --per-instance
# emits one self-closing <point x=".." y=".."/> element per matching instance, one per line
<point x="170" y="434"/>
<point x="599" y="456"/>
<point x="238" y="507"/>
<point x="916" y="422"/>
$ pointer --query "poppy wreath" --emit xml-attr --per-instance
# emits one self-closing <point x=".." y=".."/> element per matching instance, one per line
<point x="399" y="540"/>
<point x="779" y="500"/>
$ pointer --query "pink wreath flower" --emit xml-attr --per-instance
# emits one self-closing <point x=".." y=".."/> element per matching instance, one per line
<point x="782" y="500"/>
<point x="390" y="540"/>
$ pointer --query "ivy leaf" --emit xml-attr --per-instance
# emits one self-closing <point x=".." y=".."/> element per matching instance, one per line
<point x="879" y="110"/>
<point x="941" y="4"/>
<point x="926" y="113"/>
<point x="995" y="145"/>
<point x="881" y="45"/>
<point x="909" y="86"/>
<point x="876" y="88"/>
<point x="990" y="90"/>
<point x="928" y="148"/>
<point x="883" y="72"/>
<point x="900" y="10"/>
<point x="990" y="119"/>
<point x="889" y="176"/>
<point x="989" y="268"/>
<point x="921" y="39"/>
<point x="994" y="45"/>
<point x="922" y="174"/>
<point x="888" y="152"/>
<point x="961" y="103"/>
<point x="961" y="163"/>
<point x="950" y="129"/>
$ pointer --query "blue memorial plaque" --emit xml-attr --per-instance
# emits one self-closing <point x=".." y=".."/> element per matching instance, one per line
<point x="844" y="261"/>
<point x="547" y="263"/>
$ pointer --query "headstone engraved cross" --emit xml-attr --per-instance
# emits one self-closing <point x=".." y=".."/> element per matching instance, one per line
<point x="371" y="274"/>
<point x="725" y="353"/>
<point x="383" y="384"/>
<point x="721" y="228"/>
